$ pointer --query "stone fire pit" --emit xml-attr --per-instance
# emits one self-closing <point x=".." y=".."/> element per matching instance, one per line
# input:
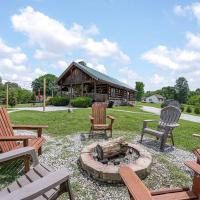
<point x="106" y="170"/>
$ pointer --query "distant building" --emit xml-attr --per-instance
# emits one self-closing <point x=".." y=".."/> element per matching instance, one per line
<point x="156" y="98"/>
<point x="80" y="80"/>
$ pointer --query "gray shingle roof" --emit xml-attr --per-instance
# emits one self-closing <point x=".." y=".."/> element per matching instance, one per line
<point x="98" y="75"/>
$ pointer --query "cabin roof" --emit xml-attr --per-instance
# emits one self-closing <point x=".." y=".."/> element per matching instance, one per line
<point x="96" y="75"/>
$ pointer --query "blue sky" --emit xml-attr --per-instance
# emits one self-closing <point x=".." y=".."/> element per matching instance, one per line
<point x="151" y="41"/>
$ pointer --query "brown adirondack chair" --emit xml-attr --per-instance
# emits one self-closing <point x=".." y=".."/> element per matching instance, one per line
<point x="98" y="119"/>
<point x="168" y="121"/>
<point x="8" y="140"/>
<point x="40" y="182"/>
<point x="138" y="191"/>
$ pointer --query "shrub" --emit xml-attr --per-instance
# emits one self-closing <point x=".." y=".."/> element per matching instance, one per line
<point x="81" y="102"/>
<point x="59" y="101"/>
<point x="197" y="110"/>
<point x="182" y="108"/>
<point x="162" y="105"/>
<point x="189" y="109"/>
<point x="12" y="100"/>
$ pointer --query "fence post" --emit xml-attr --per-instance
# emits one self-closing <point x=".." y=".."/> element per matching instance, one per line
<point x="44" y="94"/>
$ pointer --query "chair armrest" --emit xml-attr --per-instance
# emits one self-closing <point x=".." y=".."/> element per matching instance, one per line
<point x="17" y="153"/>
<point x="110" y="117"/>
<point x="23" y="138"/>
<point x="91" y="119"/>
<point x="29" y="127"/>
<point x="145" y="122"/>
<point x="168" y="190"/>
<point x="40" y="186"/>
<point x="194" y="166"/>
<point x="172" y="125"/>
<point x="38" y="128"/>
<point x="16" y="138"/>
<point x="137" y="189"/>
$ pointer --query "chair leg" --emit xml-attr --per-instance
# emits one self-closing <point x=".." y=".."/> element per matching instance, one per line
<point x="65" y="187"/>
<point x="40" y="151"/>
<point x="68" y="188"/>
<point x="111" y="132"/>
<point x="26" y="164"/>
<point x="172" y="138"/>
<point x="142" y="134"/>
<point x="163" y="142"/>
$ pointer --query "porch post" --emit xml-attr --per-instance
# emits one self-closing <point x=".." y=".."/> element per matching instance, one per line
<point x="70" y="91"/>
<point x="61" y="90"/>
<point x="82" y="89"/>
<point x="94" y="90"/>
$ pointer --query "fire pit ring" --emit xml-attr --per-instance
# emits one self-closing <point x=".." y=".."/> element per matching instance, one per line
<point x="110" y="173"/>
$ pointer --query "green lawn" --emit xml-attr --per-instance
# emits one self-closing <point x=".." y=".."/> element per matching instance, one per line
<point x="64" y="123"/>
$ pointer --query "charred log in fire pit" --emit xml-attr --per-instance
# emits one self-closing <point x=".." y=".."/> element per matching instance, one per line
<point x="111" y="148"/>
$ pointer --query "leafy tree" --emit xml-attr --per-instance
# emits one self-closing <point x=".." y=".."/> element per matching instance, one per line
<point x="168" y="92"/>
<point x="140" y="90"/>
<point x="182" y="90"/>
<point x="12" y="100"/>
<point x="50" y="84"/>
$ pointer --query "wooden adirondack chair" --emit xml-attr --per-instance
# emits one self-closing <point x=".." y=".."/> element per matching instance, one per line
<point x="138" y="191"/>
<point x="41" y="182"/>
<point x="8" y="140"/>
<point x="98" y="119"/>
<point x="168" y="121"/>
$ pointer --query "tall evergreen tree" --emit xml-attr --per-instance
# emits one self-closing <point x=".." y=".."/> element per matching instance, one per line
<point x="182" y="90"/>
<point x="139" y="86"/>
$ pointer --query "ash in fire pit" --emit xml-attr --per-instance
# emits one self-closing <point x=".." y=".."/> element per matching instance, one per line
<point x="102" y="160"/>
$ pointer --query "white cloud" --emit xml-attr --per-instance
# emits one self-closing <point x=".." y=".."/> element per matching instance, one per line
<point x="61" y="64"/>
<point x="193" y="40"/>
<point x="53" y="37"/>
<point x="11" y="59"/>
<point x="157" y="79"/>
<point x="128" y="76"/>
<point x="173" y="59"/>
<point x="39" y="72"/>
<point x="99" y="67"/>
<point x="193" y="9"/>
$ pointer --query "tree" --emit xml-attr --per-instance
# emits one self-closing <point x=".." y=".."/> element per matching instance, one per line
<point x="12" y="100"/>
<point x="168" y="92"/>
<point x="139" y="86"/>
<point x="50" y="84"/>
<point x="182" y="90"/>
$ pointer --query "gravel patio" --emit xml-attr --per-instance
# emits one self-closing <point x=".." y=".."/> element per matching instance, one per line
<point x="168" y="168"/>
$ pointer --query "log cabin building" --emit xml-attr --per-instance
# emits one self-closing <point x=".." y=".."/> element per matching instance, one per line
<point x="80" y="80"/>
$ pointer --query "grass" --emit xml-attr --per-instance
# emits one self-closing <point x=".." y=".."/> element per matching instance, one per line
<point x="64" y="123"/>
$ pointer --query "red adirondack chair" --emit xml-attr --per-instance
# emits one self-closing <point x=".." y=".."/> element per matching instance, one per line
<point x="98" y="119"/>
<point x="10" y="141"/>
<point x="138" y="191"/>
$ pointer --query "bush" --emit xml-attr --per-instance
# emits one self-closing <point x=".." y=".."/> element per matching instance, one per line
<point x="182" y="108"/>
<point x="197" y="110"/>
<point x="12" y="100"/>
<point x="81" y="102"/>
<point x="162" y="105"/>
<point x="59" y="101"/>
<point x="189" y="109"/>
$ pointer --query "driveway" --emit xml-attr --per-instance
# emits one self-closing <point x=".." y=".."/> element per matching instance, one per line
<point x="187" y="117"/>
<point x="47" y="109"/>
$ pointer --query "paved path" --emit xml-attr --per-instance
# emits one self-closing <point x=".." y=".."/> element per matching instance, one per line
<point x="47" y="109"/>
<point x="187" y="117"/>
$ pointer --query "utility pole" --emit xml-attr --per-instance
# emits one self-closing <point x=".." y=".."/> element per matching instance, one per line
<point x="7" y="95"/>
<point x="44" y="94"/>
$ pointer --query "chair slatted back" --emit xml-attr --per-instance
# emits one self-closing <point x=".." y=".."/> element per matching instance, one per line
<point x="169" y="116"/>
<point x="99" y="112"/>
<point x="6" y="130"/>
